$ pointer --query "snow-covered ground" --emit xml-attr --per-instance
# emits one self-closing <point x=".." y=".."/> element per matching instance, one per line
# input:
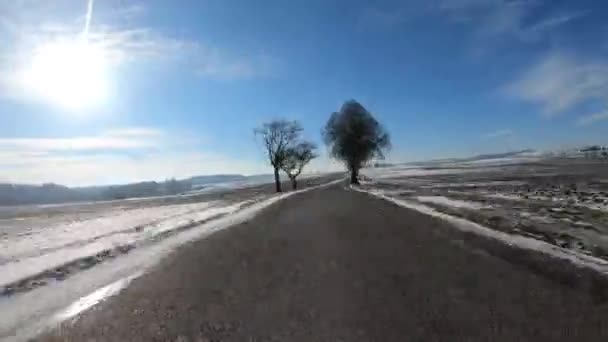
<point x="474" y="184"/>
<point x="395" y="172"/>
<point x="561" y="203"/>
<point x="39" y="248"/>
<point x="442" y="200"/>
<point x="28" y="248"/>
<point x="579" y="259"/>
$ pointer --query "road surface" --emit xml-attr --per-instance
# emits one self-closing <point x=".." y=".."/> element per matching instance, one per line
<point x="336" y="265"/>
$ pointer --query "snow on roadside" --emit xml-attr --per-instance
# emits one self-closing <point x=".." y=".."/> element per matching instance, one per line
<point x="504" y="196"/>
<point x="26" y="315"/>
<point x="519" y="241"/>
<point x="123" y="233"/>
<point x="442" y="200"/>
<point x="395" y="172"/>
<point x="38" y="239"/>
<point x="473" y="184"/>
<point x="571" y="200"/>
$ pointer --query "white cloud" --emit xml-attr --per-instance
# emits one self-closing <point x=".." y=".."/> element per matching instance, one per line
<point x="26" y="25"/>
<point x="132" y="138"/>
<point x="96" y="169"/>
<point x="593" y="118"/>
<point x="506" y="18"/>
<point x="126" y="155"/>
<point x="135" y="132"/>
<point x="502" y="133"/>
<point x="114" y="156"/>
<point x="493" y="16"/>
<point x="551" y="22"/>
<point x="559" y="82"/>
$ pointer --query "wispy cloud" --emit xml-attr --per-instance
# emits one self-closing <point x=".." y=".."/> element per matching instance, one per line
<point x="559" y="82"/>
<point x="492" y="16"/>
<point x="27" y="26"/>
<point x="515" y="19"/>
<point x="555" y="21"/>
<point x="135" y="132"/>
<point x="492" y="22"/>
<point x="502" y="133"/>
<point x="88" y="17"/>
<point x="115" y="156"/>
<point x="123" y="139"/>
<point x="97" y="169"/>
<point x="593" y="118"/>
<point x="503" y="19"/>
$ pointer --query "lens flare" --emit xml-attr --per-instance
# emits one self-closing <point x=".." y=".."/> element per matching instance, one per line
<point x="71" y="74"/>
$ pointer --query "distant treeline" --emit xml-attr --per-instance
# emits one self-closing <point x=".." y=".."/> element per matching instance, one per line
<point x="19" y="194"/>
<point x="145" y="189"/>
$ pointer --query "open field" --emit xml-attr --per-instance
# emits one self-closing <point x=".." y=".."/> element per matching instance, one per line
<point x="333" y="264"/>
<point x="51" y="255"/>
<point x="44" y="242"/>
<point x="517" y="230"/>
<point x="560" y="201"/>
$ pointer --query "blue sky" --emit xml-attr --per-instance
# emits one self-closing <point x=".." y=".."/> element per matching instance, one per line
<point x="185" y="82"/>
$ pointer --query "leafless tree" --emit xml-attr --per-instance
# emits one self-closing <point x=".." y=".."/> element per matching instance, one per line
<point x="296" y="157"/>
<point x="277" y="137"/>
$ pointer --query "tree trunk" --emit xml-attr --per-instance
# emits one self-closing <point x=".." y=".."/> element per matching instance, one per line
<point x="277" y="180"/>
<point x="294" y="183"/>
<point x="354" y="179"/>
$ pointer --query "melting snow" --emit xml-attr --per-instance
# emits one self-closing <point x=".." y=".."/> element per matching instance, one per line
<point x="576" y="258"/>
<point x="46" y="249"/>
<point x="23" y="316"/>
<point x="505" y="196"/>
<point x="395" y="172"/>
<point x="472" y="185"/>
<point x="442" y="200"/>
<point x="94" y="298"/>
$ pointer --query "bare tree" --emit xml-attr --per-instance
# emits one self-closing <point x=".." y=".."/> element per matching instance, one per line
<point x="277" y="136"/>
<point x="355" y="137"/>
<point x="296" y="157"/>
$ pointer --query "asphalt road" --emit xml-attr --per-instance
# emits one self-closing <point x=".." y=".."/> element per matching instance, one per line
<point x="337" y="265"/>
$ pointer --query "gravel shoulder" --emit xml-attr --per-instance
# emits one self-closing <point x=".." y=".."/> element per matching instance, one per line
<point x="336" y="265"/>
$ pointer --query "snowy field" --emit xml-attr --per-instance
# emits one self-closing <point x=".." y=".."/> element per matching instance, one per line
<point x="37" y="247"/>
<point x="60" y="259"/>
<point x="561" y="203"/>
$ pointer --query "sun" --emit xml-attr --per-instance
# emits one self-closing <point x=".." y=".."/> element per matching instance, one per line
<point x="71" y="74"/>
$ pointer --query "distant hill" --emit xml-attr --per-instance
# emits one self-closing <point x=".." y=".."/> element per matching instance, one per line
<point x="22" y="194"/>
<point x="479" y="157"/>
<point x="17" y="194"/>
<point x="512" y="154"/>
<point x="214" y="179"/>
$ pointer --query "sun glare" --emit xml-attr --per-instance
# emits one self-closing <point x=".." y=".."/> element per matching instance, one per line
<point x="71" y="74"/>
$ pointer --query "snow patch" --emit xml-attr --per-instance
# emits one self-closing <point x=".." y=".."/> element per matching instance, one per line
<point x="442" y="200"/>
<point x="504" y="196"/>
<point x="473" y="185"/>
<point x="25" y="315"/>
<point x="92" y="238"/>
<point x="389" y="172"/>
<point x="41" y="238"/>
<point x="94" y="298"/>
